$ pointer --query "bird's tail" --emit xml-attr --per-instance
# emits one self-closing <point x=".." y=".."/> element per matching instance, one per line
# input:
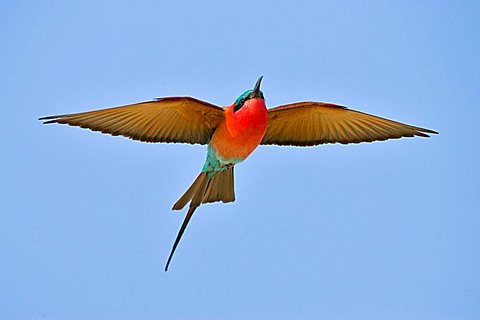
<point x="204" y="189"/>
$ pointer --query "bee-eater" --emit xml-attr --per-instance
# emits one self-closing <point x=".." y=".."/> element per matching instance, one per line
<point x="234" y="132"/>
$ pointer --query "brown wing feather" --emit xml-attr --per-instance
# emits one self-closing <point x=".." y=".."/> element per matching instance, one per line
<point x="313" y="123"/>
<point x="172" y="119"/>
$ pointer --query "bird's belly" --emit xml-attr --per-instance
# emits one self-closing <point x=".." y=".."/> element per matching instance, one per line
<point x="225" y="149"/>
<point x="239" y="146"/>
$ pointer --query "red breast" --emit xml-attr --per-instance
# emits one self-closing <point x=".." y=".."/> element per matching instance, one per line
<point x="242" y="131"/>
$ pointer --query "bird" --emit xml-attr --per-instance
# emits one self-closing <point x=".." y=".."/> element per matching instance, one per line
<point x="233" y="132"/>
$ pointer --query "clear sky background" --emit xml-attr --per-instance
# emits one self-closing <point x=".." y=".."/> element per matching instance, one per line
<point x="386" y="230"/>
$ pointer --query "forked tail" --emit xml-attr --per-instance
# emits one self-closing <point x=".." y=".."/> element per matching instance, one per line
<point x="203" y="190"/>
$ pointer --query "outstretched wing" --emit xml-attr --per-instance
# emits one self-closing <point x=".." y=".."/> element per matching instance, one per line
<point x="172" y="119"/>
<point x="313" y="123"/>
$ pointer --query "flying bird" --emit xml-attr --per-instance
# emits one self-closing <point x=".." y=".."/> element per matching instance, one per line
<point x="233" y="133"/>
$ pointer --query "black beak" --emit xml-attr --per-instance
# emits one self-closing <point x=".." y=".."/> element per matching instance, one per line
<point x="256" y="93"/>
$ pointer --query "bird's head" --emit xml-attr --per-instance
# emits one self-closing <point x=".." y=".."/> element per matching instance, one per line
<point x="248" y="95"/>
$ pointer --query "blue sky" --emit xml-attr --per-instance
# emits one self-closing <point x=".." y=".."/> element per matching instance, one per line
<point x="386" y="230"/>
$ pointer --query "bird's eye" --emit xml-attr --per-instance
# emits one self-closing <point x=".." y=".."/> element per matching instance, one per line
<point x="240" y="103"/>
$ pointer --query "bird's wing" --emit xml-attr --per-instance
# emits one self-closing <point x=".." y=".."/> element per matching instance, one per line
<point x="172" y="119"/>
<point x="313" y="123"/>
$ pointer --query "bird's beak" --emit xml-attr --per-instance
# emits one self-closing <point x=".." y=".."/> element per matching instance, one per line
<point x="256" y="93"/>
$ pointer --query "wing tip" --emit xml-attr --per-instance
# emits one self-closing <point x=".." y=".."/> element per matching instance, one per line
<point x="422" y="132"/>
<point x="51" y="119"/>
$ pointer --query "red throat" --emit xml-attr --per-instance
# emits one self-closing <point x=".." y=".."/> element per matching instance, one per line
<point x="250" y="119"/>
<point x="242" y="131"/>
